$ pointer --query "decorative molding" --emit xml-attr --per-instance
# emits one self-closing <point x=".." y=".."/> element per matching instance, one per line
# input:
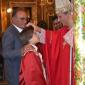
<point x="50" y="2"/>
<point x="50" y="20"/>
<point x="22" y="4"/>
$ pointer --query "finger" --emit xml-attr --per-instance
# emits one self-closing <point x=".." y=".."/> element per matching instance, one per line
<point x="29" y="24"/>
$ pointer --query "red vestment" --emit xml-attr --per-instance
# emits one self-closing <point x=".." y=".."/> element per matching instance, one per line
<point x="57" y="57"/>
<point x="31" y="70"/>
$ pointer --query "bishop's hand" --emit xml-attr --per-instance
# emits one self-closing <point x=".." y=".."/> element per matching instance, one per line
<point x="36" y="28"/>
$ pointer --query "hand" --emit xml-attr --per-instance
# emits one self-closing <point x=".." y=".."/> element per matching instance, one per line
<point x="29" y="23"/>
<point x="36" y="28"/>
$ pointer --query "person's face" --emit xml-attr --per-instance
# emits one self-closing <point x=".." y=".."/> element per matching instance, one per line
<point x="20" y="19"/>
<point x="55" y="23"/>
<point x="35" y="38"/>
<point x="63" y="18"/>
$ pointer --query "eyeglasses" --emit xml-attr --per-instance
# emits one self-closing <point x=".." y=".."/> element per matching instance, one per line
<point x="23" y="18"/>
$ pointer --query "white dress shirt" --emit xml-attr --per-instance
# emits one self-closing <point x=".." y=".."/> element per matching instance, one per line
<point x="18" y="28"/>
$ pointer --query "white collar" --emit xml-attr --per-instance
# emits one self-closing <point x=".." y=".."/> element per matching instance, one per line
<point x="18" y="28"/>
<point x="35" y="47"/>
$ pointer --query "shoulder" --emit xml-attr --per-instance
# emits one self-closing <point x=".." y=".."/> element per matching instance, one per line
<point x="29" y="57"/>
<point x="8" y="34"/>
<point x="30" y="53"/>
<point x="10" y="31"/>
<point x="63" y="30"/>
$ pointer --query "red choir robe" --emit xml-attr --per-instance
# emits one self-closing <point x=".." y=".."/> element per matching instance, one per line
<point x="31" y="72"/>
<point x="57" y="57"/>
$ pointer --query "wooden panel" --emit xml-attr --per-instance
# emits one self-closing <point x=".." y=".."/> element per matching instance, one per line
<point x="0" y="16"/>
<point x="37" y="10"/>
<point x="22" y="4"/>
<point x="3" y="15"/>
<point x="39" y="15"/>
<point x="23" y="0"/>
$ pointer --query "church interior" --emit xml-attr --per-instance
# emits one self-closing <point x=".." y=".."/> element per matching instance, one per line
<point x="38" y="10"/>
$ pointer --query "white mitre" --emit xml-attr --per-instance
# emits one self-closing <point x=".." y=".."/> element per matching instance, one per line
<point x="62" y="6"/>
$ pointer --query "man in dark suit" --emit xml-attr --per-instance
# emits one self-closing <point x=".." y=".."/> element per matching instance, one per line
<point x="12" y="46"/>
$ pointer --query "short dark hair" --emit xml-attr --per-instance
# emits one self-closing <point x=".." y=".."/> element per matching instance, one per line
<point x="42" y="24"/>
<point x="26" y="34"/>
<point x="16" y="9"/>
<point x="54" y="17"/>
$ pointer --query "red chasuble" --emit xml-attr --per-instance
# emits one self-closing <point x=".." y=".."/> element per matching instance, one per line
<point x="31" y="70"/>
<point x="57" y="57"/>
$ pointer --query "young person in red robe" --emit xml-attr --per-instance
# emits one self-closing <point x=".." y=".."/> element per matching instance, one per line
<point x="32" y="70"/>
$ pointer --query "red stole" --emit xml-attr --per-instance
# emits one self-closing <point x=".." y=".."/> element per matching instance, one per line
<point x="57" y="57"/>
<point x="31" y="70"/>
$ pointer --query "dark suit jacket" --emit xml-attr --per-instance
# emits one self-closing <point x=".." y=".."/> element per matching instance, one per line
<point x="12" y="45"/>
